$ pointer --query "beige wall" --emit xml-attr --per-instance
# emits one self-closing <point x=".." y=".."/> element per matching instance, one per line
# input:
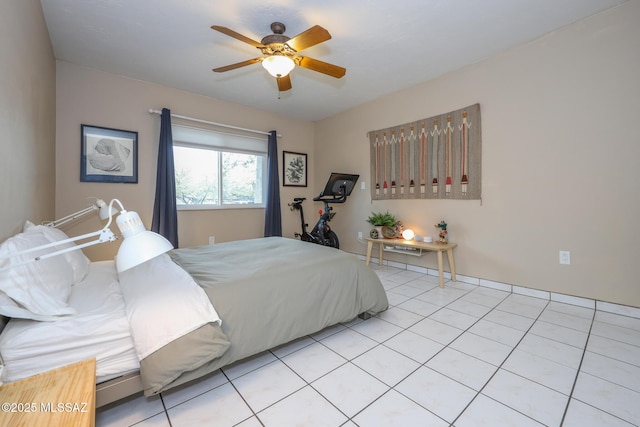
<point x="561" y="153"/>
<point x="27" y="116"/>
<point x="87" y="96"/>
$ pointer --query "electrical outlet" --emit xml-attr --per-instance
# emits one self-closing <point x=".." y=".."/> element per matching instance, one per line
<point x="362" y="185"/>
<point x="212" y="240"/>
<point x="565" y="257"/>
<point x="359" y="235"/>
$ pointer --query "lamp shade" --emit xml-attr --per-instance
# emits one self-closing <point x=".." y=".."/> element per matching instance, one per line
<point x="278" y="65"/>
<point x="139" y="245"/>
<point x="408" y="234"/>
<point x="104" y="211"/>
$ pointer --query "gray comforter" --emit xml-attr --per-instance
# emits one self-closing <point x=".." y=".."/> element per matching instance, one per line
<point x="273" y="290"/>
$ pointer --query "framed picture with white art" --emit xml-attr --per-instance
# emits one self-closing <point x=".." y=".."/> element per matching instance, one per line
<point x="108" y="155"/>
<point x="294" y="169"/>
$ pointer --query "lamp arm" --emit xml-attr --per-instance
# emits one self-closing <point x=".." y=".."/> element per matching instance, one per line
<point x="104" y="235"/>
<point x="61" y="221"/>
<point x="111" y="212"/>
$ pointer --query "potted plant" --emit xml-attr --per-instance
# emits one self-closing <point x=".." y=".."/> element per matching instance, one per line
<point x="379" y="220"/>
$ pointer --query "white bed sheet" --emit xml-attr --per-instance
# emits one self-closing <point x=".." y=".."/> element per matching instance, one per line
<point x="163" y="303"/>
<point x="100" y="329"/>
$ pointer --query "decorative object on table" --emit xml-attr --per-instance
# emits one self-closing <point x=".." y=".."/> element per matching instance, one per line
<point x="294" y="169"/>
<point x="433" y="158"/>
<point x="388" y="232"/>
<point x="443" y="232"/>
<point x="408" y="234"/>
<point x="374" y="234"/>
<point x="399" y="228"/>
<point x="108" y="155"/>
<point x="379" y="220"/>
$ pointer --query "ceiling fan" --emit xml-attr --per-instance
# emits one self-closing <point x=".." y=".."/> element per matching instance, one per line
<point x="281" y="53"/>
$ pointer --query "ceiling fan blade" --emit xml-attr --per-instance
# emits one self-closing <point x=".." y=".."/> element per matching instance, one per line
<point x="231" y="33"/>
<point x="284" y="83"/>
<point x="237" y="65"/>
<point x="308" y="38"/>
<point x="322" y="67"/>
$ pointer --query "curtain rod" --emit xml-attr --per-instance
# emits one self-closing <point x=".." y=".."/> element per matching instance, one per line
<point x="177" y="116"/>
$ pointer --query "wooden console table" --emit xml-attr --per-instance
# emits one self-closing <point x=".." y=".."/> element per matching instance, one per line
<point x="61" y="397"/>
<point x="416" y="249"/>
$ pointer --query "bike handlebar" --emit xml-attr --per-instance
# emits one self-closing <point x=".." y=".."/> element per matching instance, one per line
<point x="341" y="197"/>
<point x="331" y="199"/>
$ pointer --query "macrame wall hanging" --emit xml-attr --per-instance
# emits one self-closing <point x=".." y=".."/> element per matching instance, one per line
<point x="434" y="158"/>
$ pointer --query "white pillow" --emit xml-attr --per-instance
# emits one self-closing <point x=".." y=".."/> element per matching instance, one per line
<point x="77" y="259"/>
<point x="41" y="287"/>
<point x="9" y="308"/>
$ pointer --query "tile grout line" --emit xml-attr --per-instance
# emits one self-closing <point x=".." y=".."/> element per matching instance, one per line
<point x="255" y="414"/>
<point x="420" y="364"/>
<point x="594" y="320"/>
<point x="308" y="384"/>
<point x="579" y="369"/>
<point x="498" y="370"/>
<point x="166" y="412"/>
<point x="463" y="331"/>
<point x="442" y="349"/>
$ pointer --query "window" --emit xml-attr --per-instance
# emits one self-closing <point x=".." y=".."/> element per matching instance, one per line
<point x="215" y="169"/>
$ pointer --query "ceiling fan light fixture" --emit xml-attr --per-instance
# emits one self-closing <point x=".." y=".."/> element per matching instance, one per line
<point x="278" y="65"/>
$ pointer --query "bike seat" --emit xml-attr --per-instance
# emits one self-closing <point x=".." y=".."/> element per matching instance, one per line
<point x="299" y="199"/>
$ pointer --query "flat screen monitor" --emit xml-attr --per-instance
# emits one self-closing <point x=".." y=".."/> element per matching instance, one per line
<point x="338" y="180"/>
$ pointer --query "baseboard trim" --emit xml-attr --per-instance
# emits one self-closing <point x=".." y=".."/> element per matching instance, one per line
<point x="609" y="307"/>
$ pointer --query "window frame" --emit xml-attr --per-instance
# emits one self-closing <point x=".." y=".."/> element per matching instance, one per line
<point x="219" y="157"/>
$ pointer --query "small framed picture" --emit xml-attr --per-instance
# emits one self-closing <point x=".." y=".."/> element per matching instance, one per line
<point x="294" y="169"/>
<point x="108" y="155"/>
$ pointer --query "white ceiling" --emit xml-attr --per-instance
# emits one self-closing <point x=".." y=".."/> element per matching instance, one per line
<point x="384" y="45"/>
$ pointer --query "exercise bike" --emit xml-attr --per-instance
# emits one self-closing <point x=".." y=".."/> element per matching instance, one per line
<point x="337" y="189"/>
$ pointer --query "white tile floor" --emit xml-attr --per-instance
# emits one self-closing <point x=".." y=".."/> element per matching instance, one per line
<point x="460" y="356"/>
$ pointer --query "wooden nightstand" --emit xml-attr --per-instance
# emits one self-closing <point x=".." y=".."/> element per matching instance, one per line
<point x="417" y="249"/>
<point x="62" y="397"/>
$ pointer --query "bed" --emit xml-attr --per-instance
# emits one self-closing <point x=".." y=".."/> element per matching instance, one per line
<point x="188" y="312"/>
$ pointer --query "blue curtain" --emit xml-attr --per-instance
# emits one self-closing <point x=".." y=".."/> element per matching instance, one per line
<point x="272" y="217"/>
<point x="165" y="217"/>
